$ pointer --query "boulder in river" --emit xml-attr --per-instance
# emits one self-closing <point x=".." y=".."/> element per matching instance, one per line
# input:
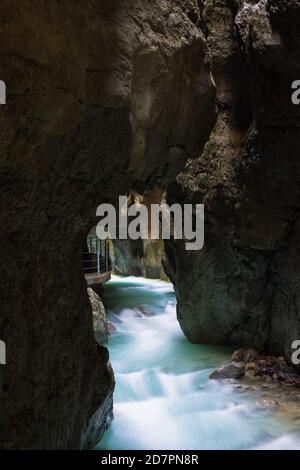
<point x="234" y="370"/>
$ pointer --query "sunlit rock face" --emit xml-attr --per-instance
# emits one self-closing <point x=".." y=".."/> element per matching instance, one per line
<point x="101" y="97"/>
<point x="243" y="287"/>
<point x="141" y="257"/>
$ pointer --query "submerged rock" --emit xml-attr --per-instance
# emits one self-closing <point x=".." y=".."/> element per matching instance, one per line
<point x="234" y="370"/>
<point x="144" y="311"/>
<point x="266" y="404"/>
<point x="111" y="327"/>
<point x="245" y="388"/>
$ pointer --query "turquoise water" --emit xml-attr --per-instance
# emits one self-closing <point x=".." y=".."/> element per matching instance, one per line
<point x="163" y="397"/>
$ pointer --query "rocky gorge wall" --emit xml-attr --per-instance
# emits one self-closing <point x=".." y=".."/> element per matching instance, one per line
<point x="141" y="257"/>
<point x="102" y="97"/>
<point x="244" y="286"/>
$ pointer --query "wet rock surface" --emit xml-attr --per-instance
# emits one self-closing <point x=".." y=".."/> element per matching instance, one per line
<point x="270" y="369"/>
<point x="266" y="404"/>
<point x="234" y="370"/>
<point x="268" y="381"/>
<point x="244" y="355"/>
<point x="242" y="288"/>
<point x="100" y="323"/>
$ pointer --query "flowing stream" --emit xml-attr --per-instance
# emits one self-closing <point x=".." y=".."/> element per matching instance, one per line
<point x="163" y="397"/>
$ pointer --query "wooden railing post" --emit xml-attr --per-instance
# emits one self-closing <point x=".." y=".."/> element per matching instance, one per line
<point x="106" y="254"/>
<point x="98" y="256"/>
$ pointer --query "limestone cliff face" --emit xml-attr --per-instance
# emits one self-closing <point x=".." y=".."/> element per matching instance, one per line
<point x="100" y="324"/>
<point x="135" y="258"/>
<point x="141" y="257"/>
<point x="101" y="97"/>
<point x="243" y="287"/>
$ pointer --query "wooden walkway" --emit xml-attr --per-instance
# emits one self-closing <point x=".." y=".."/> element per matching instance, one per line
<point x="95" y="278"/>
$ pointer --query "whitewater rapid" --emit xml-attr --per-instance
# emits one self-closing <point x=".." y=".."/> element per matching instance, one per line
<point x="164" y="398"/>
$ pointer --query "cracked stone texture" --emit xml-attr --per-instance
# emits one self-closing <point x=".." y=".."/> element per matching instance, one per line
<point x="243" y="287"/>
<point x="102" y="97"/>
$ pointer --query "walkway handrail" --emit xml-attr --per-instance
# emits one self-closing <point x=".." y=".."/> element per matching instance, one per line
<point x="98" y="259"/>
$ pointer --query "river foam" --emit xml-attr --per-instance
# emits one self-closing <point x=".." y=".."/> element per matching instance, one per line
<point x="164" y="398"/>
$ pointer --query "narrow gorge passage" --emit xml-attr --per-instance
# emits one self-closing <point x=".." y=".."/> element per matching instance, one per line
<point x="164" y="398"/>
